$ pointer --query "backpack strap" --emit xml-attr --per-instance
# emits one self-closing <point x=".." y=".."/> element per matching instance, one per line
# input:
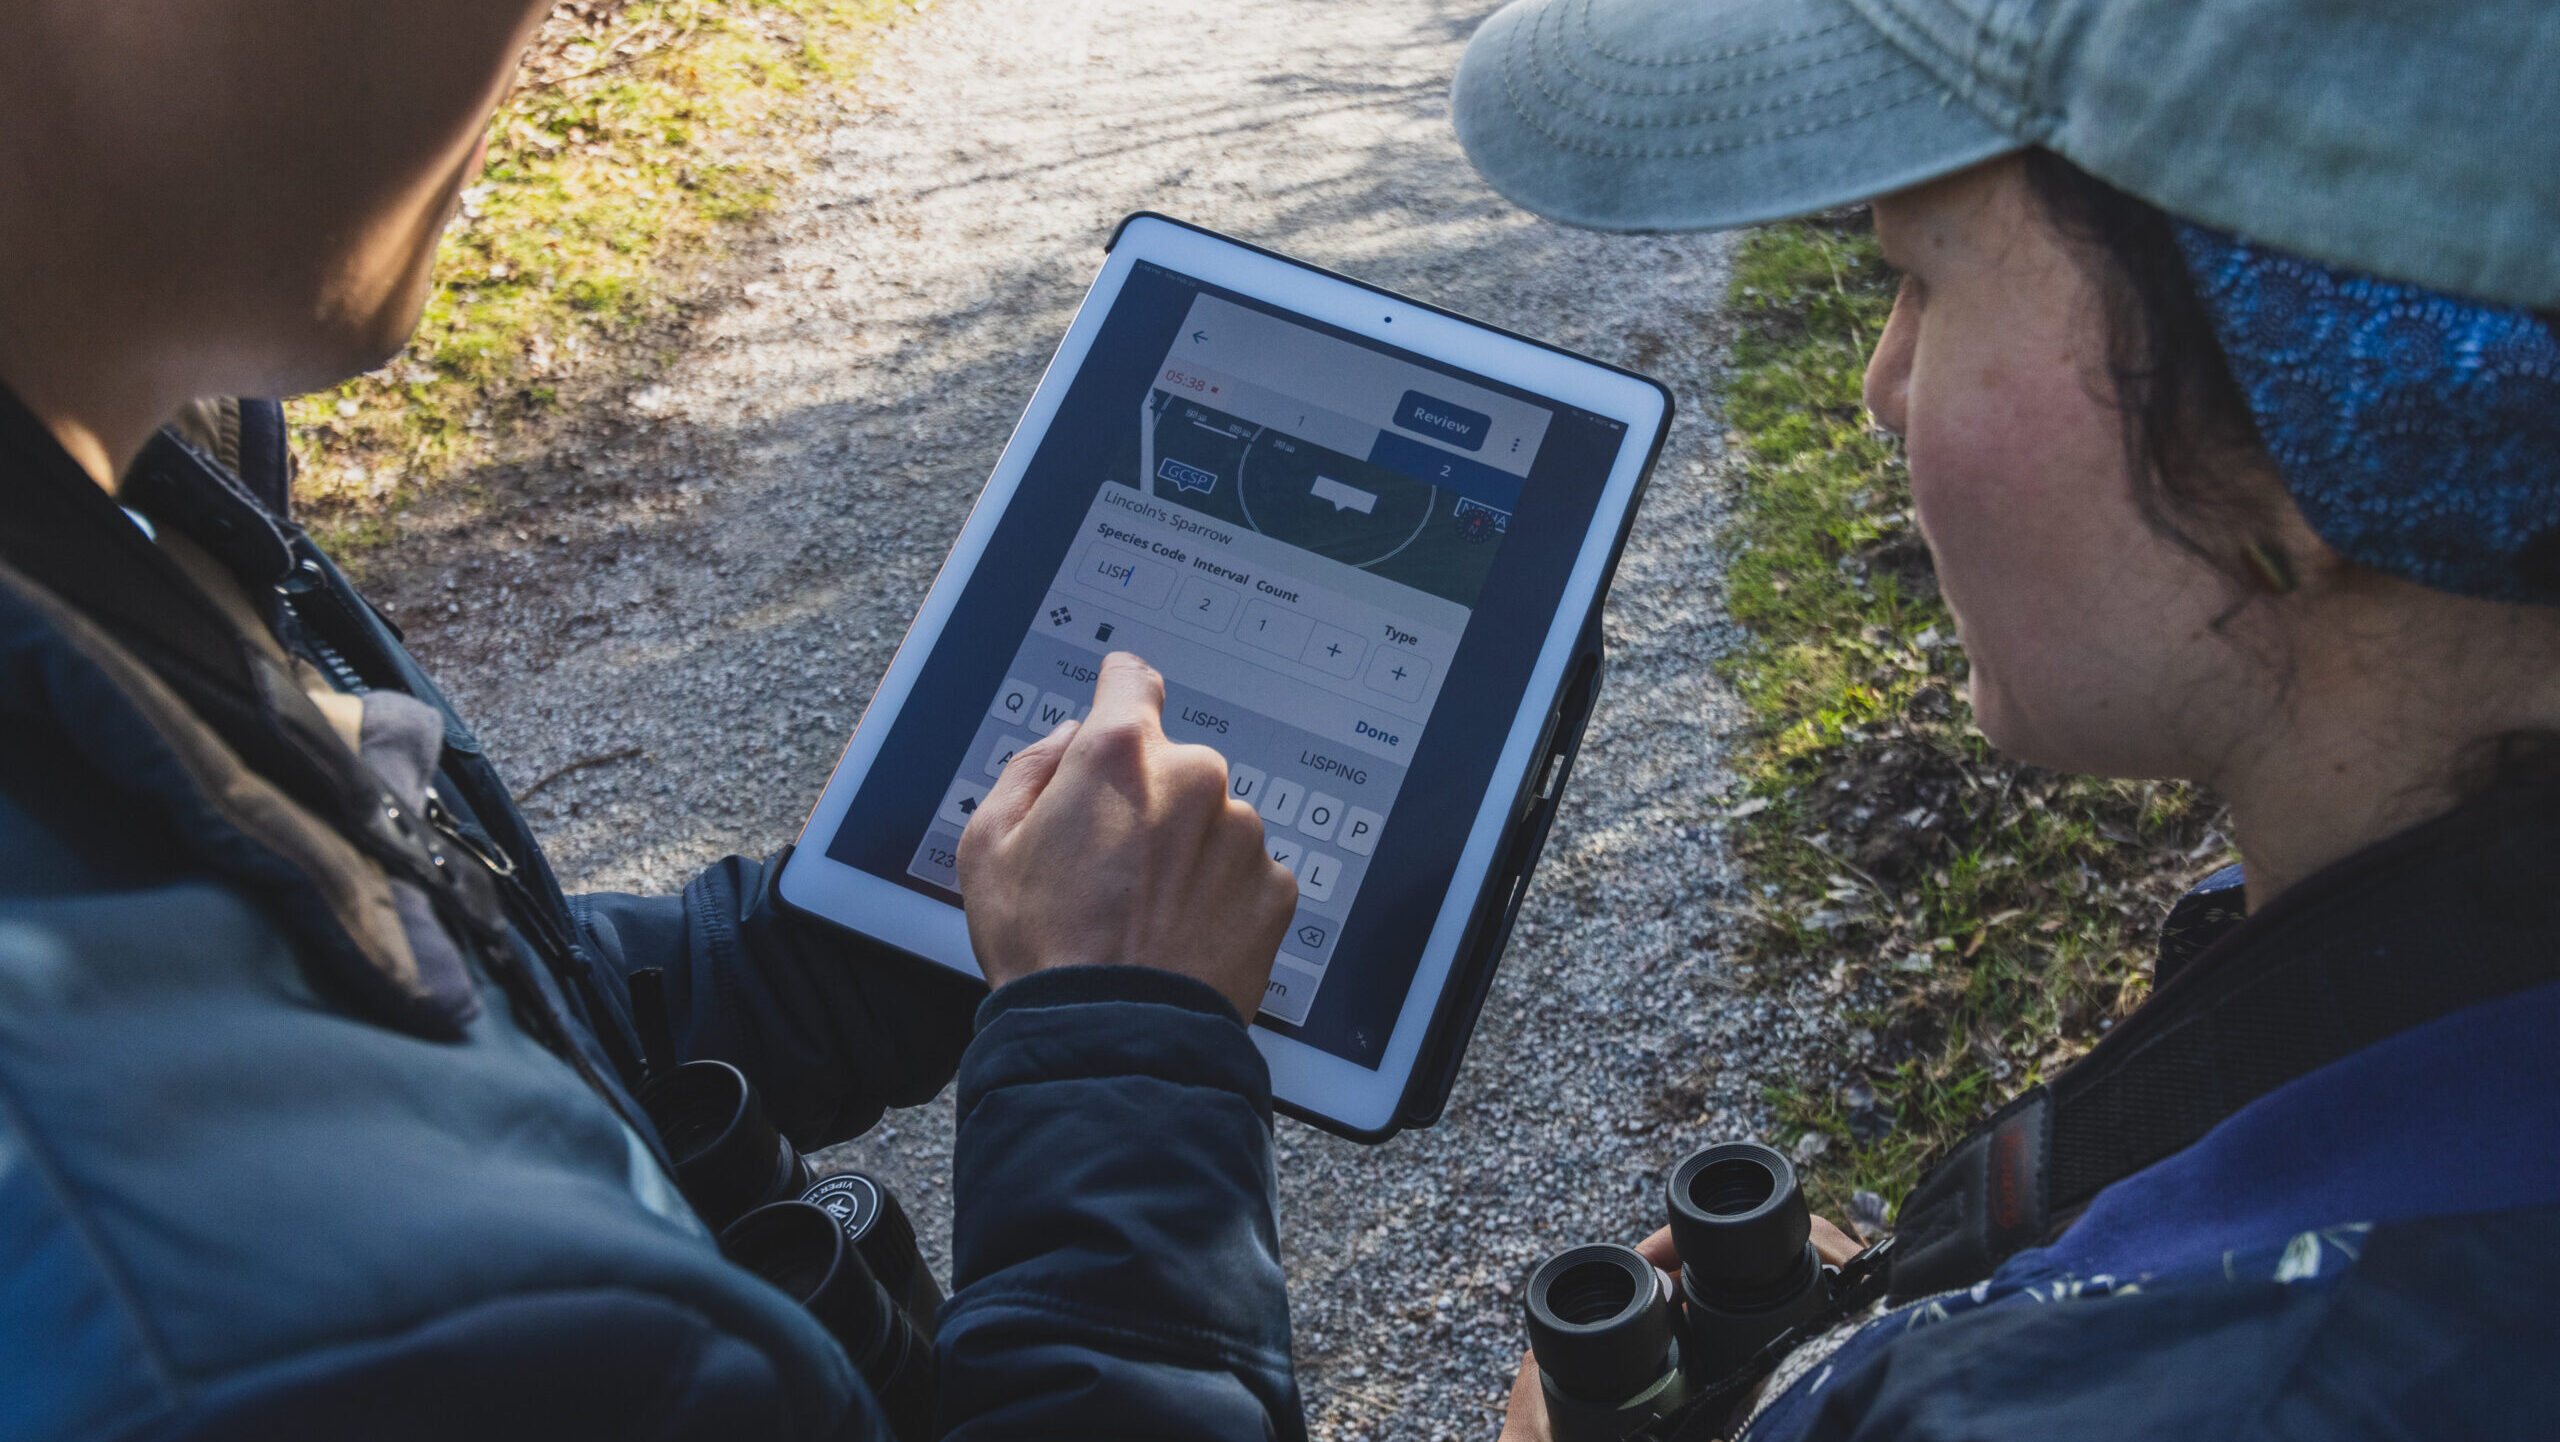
<point x="2448" y="915"/>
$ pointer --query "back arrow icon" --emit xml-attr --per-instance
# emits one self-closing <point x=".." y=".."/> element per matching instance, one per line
<point x="1199" y="335"/>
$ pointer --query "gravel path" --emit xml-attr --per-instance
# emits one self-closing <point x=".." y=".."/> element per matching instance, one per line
<point x="694" y="587"/>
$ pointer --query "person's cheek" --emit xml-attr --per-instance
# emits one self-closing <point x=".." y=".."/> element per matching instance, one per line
<point x="1980" y="536"/>
<point x="1952" y="516"/>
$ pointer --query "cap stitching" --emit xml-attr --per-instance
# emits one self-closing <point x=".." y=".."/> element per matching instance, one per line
<point x="2038" y="116"/>
<point x="2000" y="55"/>
<point x="1724" y="82"/>
<point x="1982" y="39"/>
<point x="1709" y="117"/>
<point x="1512" y="93"/>
<point x="1703" y="57"/>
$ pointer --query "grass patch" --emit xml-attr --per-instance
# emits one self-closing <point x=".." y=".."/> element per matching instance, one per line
<point x="640" y="133"/>
<point x="1983" y="921"/>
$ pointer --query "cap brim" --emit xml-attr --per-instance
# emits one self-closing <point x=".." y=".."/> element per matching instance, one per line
<point x="1702" y="114"/>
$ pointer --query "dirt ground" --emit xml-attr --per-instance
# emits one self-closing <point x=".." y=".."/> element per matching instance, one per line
<point x="670" y="611"/>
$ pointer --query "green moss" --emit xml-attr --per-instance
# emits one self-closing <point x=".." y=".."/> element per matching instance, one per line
<point x="1982" y="920"/>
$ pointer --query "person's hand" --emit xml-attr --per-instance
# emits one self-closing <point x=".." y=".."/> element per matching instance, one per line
<point x="1525" y="1419"/>
<point x="1107" y="843"/>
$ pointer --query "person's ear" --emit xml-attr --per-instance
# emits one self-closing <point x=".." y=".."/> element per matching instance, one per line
<point x="2279" y="553"/>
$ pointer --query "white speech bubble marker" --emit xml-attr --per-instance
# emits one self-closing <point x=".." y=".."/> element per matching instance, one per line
<point x="1342" y="497"/>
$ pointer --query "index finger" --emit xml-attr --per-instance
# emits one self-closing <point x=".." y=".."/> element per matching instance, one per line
<point x="1128" y="690"/>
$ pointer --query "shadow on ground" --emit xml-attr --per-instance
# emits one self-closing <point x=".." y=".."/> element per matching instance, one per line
<point x="671" y="611"/>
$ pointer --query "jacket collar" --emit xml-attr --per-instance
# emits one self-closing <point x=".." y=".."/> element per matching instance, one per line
<point x="2483" y="870"/>
<point x="107" y="645"/>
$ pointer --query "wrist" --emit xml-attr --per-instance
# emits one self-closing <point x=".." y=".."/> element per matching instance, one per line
<point x="1082" y="1024"/>
<point x="1088" y="983"/>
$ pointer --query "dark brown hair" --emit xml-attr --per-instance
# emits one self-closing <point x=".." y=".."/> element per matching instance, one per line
<point x="2187" y="427"/>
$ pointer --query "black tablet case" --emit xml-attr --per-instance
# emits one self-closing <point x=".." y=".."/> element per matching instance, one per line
<point x="1444" y="1044"/>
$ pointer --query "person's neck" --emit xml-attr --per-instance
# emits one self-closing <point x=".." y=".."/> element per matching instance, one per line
<point x="2304" y="808"/>
<point x="2372" y="743"/>
<point x="82" y="364"/>
<point x="90" y="448"/>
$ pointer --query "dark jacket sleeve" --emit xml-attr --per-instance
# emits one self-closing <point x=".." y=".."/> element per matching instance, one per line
<point x="830" y="1027"/>
<point x="1115" y="1246"/>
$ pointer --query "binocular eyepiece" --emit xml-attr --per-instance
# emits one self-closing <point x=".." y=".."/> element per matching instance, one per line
<point x="841" y="1247"/>
<point x="1606" y="1335"/>
<point x="1616" y="1350"/>
<point x="801" y="1248"/>
<point x="729" y="1159"/>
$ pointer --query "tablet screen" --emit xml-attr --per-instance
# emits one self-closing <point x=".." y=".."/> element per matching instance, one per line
<point x="1329" y="548"/>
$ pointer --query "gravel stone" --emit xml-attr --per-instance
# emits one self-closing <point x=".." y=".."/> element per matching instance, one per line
<point x="670" y="611"/>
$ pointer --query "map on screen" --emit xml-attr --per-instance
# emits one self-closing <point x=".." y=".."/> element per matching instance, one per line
<point x="1262" y="478"/>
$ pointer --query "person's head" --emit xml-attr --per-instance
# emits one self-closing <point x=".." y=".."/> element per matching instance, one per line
<point x="2139" y="593"/>
<point x="228" y="196"/>
<point x="2143" y="589"/>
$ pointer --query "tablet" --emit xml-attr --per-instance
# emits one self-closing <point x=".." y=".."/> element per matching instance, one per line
<point x="1360" y="537"/>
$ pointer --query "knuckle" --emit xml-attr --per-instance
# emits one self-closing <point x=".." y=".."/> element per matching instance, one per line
<point x="1119" y="743"/>
<point x="1196" y="772"/>
<point x="1241" y="819"/>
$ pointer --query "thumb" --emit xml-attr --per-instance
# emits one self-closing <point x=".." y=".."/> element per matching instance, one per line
<point x="1025" y="777"/>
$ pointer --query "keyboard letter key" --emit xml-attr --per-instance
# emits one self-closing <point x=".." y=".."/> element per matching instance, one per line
<point x="1323" y="814"/>
<point x="1002" y="752"/>
<point x="1360" y="828"/>
<point x="1280" y="801"/>
<point x="1013" y="704"/>
<point x="1052" y="711"/>
<point x="1284" y="851"/>
<point x="1244" y="784"/>
<point x="1316" y="876"/>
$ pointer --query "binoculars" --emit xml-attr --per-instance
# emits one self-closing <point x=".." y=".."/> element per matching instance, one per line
<point x="841" y="1247"/>
<point x="1619" y="1347"/>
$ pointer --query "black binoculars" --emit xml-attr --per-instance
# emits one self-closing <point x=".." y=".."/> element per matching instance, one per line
<point x="1617" y="1350"/>
<point x="841" y="1247"/>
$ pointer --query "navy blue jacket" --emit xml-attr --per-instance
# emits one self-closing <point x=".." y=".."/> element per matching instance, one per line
<point x="237" y="1201"/>
<point x="2370" y="1250"/>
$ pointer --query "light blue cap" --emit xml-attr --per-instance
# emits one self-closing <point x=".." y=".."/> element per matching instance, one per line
<point x="2417" y="140"/>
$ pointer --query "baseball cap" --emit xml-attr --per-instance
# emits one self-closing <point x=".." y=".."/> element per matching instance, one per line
<point x="2417" y="140"/>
